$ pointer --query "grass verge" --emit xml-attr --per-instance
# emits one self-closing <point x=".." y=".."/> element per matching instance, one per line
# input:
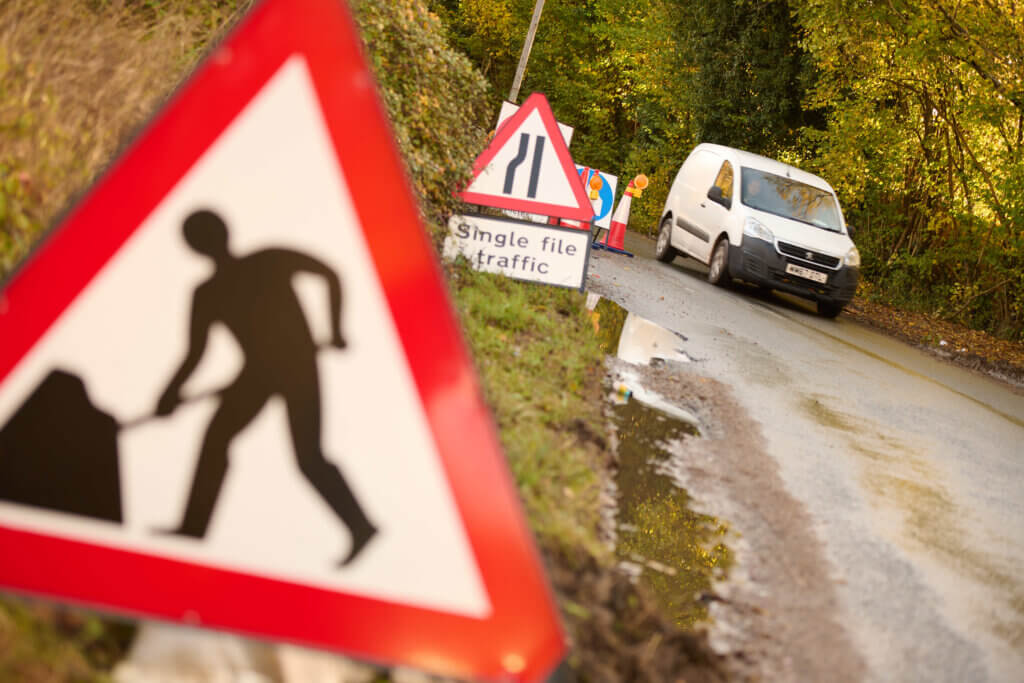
<point x="41" y="643"/>
<point x="541" y="358"/>
<point x="541" y="367"/>
<point x="76" y="78"/>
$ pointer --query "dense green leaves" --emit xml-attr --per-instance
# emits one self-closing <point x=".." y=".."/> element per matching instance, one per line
<point x="643" y="80"/>
<point x="913" y="109"/>
<point x="420" y="76"/>
<point x="923" y="143"/>
<point x="748" y="75"/>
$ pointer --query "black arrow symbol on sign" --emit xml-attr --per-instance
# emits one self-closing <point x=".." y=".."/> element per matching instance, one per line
<point x="538" y="155"/>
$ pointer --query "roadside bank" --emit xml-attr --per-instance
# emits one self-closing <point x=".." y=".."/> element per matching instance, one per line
<point x="544" y="374"/>
<point x="972" y="349"/>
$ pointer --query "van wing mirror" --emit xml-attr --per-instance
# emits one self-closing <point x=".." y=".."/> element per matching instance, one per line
<point x="715" y="195"/>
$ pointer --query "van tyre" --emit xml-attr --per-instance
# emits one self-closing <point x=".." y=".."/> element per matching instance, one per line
<point x="718" y="269"/>
<point x="829" y="309"/>
<point x="663" y="249"/>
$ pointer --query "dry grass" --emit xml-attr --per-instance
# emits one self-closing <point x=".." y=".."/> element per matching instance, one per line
<point x="76" y="78"/>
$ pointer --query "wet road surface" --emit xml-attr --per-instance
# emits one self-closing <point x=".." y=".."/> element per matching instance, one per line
<point x="911" y="469"/>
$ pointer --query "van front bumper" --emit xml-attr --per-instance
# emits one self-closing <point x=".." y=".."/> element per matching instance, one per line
<point x="757" y="262"/>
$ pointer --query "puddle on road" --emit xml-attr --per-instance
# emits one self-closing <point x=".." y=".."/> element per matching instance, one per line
<point x="898" y="477"/>
<point x="608" y="318"/>
<point x="632" y="338"/>
<point x="675" y="551"/>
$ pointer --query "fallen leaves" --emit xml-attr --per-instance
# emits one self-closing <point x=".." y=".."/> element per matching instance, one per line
<point x="929" y="332"/>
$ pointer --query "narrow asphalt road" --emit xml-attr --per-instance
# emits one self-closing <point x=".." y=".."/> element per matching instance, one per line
<point x="911" y="469"/>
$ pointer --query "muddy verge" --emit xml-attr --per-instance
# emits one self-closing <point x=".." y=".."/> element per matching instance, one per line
<point x="774" y="617"/>
<point x="619" y="633"/>
<point x="972" y="349"/>
<point x="997" y="369"/>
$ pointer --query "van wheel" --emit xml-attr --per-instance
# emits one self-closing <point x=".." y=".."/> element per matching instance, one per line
<point x="718" y="269"/>
<point x="829" y="309"/>
<point x="663" y="250"/>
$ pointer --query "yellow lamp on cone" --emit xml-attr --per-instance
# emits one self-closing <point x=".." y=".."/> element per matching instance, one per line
<point x="640" y="184"/>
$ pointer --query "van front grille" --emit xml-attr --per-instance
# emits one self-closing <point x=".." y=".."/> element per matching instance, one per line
<point x="808" y="255"/>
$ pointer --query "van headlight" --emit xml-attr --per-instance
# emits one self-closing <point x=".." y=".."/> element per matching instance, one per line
<point x="754" y="228"/>
<point x="852" y="258"/>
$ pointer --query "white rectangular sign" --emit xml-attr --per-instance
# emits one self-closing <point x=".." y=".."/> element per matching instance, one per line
<point x="507" y="109"/>
<point x="525" y="216"/>
<point x="524" y="251"/>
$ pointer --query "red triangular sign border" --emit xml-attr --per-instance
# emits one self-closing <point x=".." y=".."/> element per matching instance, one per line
<point x="582" y="210"/>
<point x="522" y="637"/>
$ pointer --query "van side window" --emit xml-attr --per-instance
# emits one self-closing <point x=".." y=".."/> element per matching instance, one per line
<point x="724" y="180"/>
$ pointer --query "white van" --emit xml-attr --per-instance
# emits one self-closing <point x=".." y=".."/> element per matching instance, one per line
<point x="762" y="221"/>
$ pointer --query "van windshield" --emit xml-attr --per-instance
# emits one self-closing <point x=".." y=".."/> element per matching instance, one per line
<point x="790" y="199"/>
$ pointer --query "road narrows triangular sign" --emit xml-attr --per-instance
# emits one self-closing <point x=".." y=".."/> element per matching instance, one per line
<point x="527" y="167"/>
<point x="240" y="336"/>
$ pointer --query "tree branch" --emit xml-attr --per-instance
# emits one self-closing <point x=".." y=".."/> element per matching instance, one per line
<point x="980" y="294"/>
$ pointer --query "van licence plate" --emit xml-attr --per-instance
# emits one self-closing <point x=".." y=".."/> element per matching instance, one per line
<point x="806" y="273"/>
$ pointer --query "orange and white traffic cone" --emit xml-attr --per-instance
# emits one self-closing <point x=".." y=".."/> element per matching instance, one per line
<point x="615" y="239"/>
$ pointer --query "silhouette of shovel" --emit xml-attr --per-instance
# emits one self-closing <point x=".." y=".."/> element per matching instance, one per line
<point x="149" y="417"/>
<point x="201" y="396"/>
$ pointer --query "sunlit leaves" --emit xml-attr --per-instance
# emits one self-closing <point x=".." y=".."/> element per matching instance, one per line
<point x="419" y="76"/>
<point x="924" y="145"/>
<point x="912" y="109"/>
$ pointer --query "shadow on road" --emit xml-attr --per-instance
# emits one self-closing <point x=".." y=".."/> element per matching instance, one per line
<point x="643" y="247"/>
<point x="760" y="296"/>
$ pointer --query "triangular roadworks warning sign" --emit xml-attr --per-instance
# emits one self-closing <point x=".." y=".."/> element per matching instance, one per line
<point x="527" y="167"/>
<point x="233" y="392"/>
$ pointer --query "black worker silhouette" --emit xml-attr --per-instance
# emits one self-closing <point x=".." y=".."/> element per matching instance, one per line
<point x="58" y="451"/>
<point x="253" y="297"/>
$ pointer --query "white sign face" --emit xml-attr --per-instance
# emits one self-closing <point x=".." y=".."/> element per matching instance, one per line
<point x="524" y="251"/>
<point x="507" y="109"/>
<point x="606" y="195"/>
<point x="527" y="167"/>
<point x="274" y="510"/>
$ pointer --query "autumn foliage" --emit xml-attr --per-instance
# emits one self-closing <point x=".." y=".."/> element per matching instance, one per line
<point x="913" y="109"/>
<point x="78" y="78"/>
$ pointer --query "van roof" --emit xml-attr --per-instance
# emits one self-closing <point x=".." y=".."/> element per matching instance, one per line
<point x="761" y="163"/>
